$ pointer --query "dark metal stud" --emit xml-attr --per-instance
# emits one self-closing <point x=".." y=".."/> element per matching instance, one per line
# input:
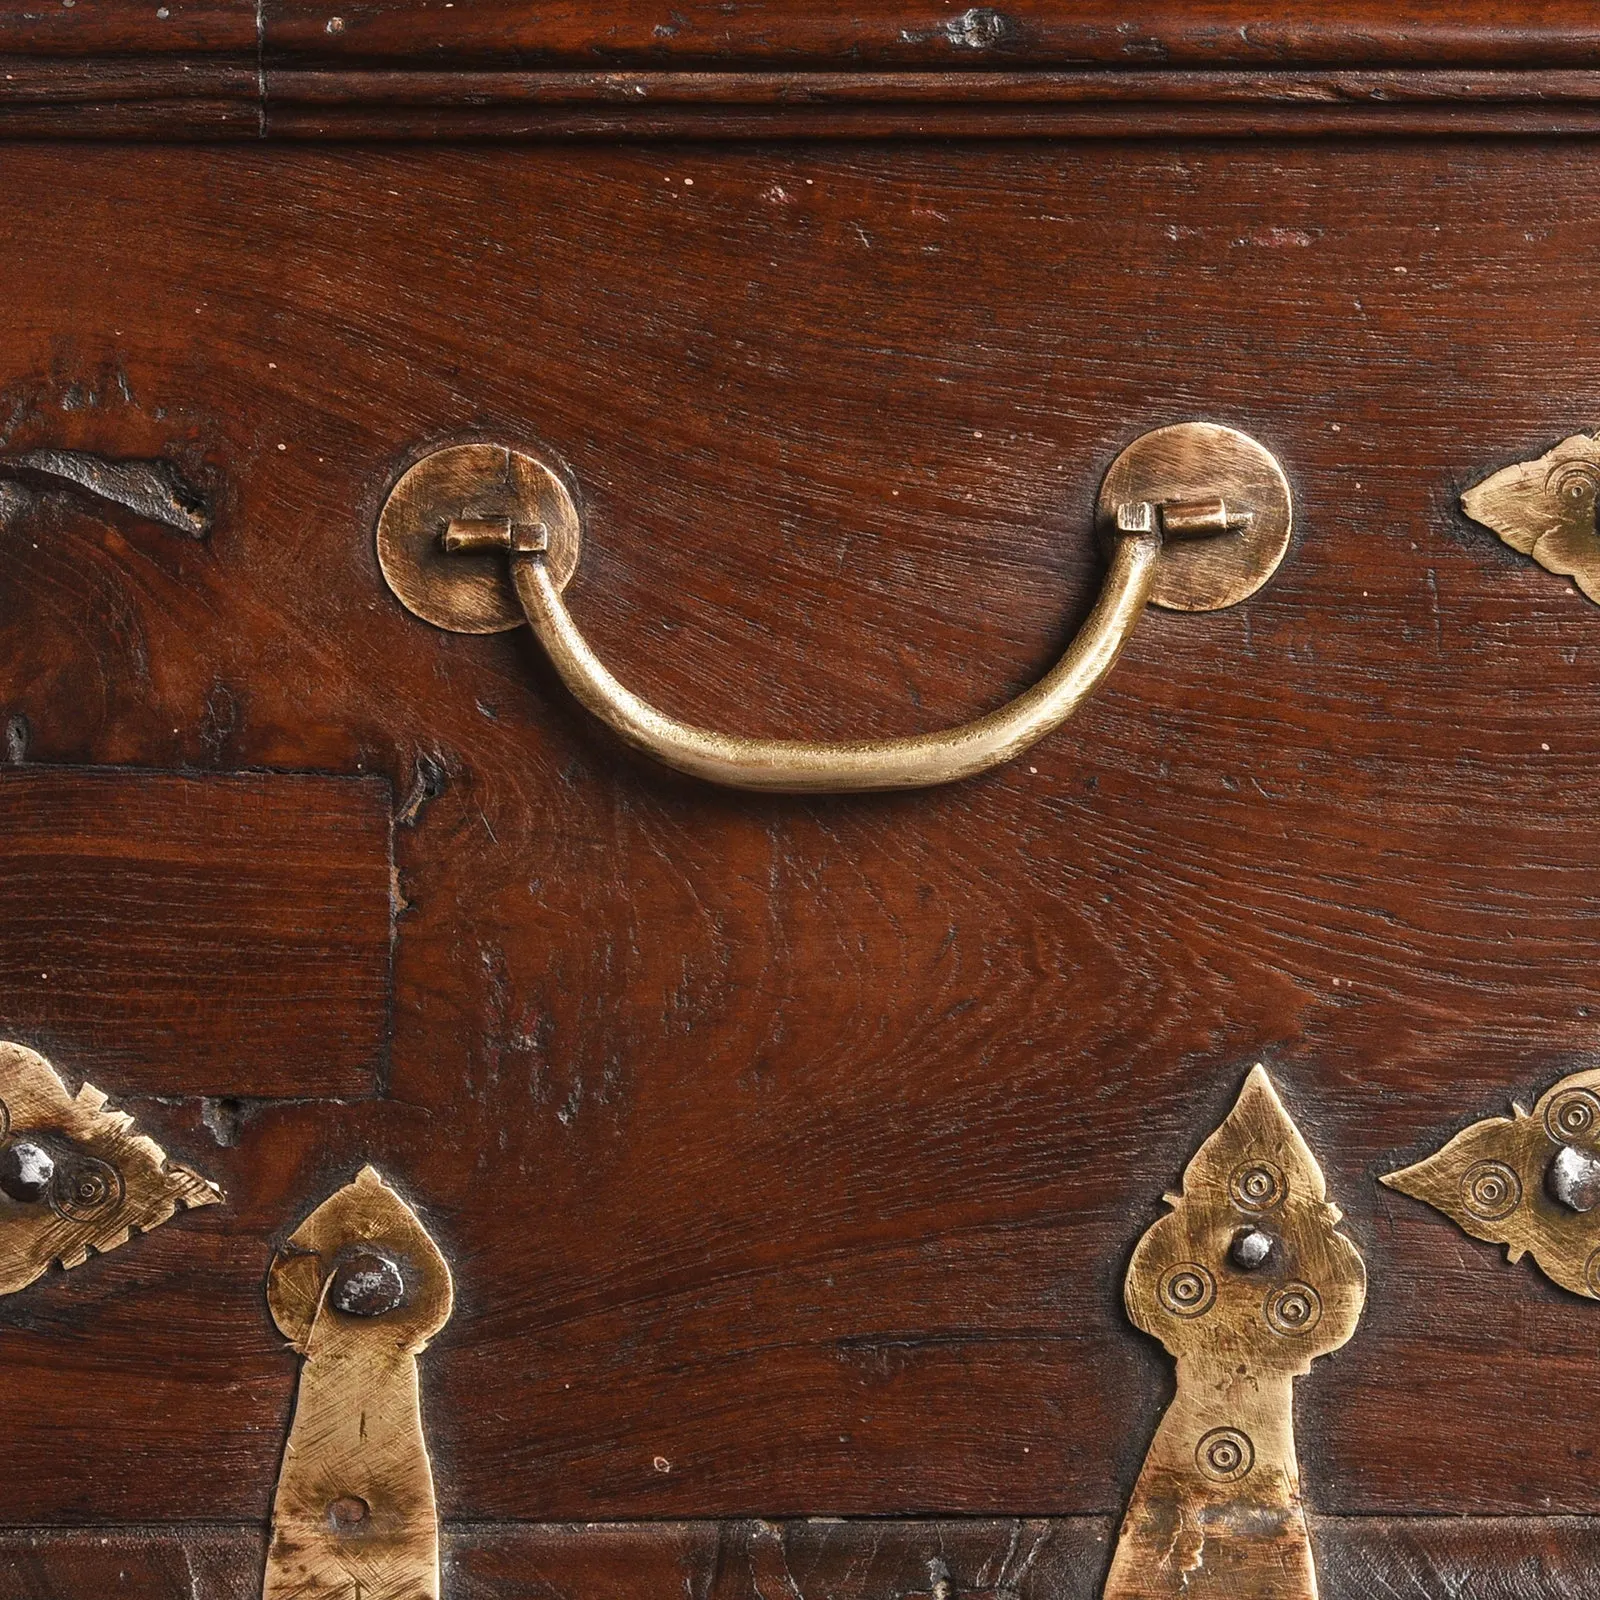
<point x="26" y="1169"/>
<point x="367" y="1285"/>
<point x="1250" y="1249"/>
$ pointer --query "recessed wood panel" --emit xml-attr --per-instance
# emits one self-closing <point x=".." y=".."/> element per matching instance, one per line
<point x="197" y="935"/>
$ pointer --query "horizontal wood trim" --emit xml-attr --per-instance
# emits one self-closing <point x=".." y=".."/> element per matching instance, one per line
<point x="190" y="96"/>
<point x="936" y="33"/>
<point x="197" y="935"/>
<point x="933" y="88"/>
<point x="941" y="34"/>
<point x="1512" y="1558"/>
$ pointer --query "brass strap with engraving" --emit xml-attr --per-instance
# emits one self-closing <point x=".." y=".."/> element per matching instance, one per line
<point x="358" y="1291"/>
<point x="1246" y="1281"/>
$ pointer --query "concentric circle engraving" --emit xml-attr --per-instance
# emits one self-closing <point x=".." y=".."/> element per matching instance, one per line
<point x="1490" y="1190"/>
<point x="1591" y="1274"/>
<point x="1258" y="1186"/>
<point x="1225" y="1454"/>
<point x="1187" y="1290"/>
<point x="1294" y="1309"/>
<point x="85" y="1188"/>
<point x="1574" y="1115"/>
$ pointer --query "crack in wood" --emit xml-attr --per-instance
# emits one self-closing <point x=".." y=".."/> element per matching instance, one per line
<point x="153" y="490"/>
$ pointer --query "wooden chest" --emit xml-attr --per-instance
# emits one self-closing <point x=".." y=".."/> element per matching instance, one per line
<point x="789" y="1152"/>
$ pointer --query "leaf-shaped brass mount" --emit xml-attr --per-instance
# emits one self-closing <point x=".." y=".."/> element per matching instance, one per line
<point x="1531" y="1183"/>
<point x="1246" y="1281"/>
<point x="358" y="1290"/>
<point x="75" y="1178"/>
<point x="1546" y="509"/>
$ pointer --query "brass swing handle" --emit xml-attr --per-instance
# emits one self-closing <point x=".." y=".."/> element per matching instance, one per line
<point x="914" y="761"/>
<point x="1173" y="540"/>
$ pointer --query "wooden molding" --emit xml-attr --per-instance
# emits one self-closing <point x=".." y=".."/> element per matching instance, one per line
<point x="206" y="97"/>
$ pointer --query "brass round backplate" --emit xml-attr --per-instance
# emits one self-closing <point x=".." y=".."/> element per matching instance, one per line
<point x="1194" y="461"/>
<point x="470" y="592"/>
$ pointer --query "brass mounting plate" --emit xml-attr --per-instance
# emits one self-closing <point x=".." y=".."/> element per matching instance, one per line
<point x="1193" y="461"/>
<point x="470" y="593"/>
<point x="1246" y="1281"/>
<point x="105" y="1181"/>
<point x="1500" y="1181"/>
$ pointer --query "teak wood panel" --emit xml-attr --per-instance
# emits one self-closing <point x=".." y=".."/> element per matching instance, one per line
<point x="1415" y="1558"/>
<point x="175" y="935"/>
<point x="938" y="34"/>
<point x="788" y="1153"/>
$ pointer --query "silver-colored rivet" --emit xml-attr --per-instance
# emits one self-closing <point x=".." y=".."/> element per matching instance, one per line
<point x="367" y="1285"/>
<point x="1573" y="1179"/>
<point x="1250" y="1249"/>
<point x="26" y="1169"/>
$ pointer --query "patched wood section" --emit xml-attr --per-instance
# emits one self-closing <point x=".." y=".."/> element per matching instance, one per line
<point x="223" y="936"/>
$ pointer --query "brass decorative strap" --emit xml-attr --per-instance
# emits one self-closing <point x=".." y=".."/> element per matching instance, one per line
<point x="358" y="1290"/>
<point x="1529" y="1182"/>
<point x="1193" y="517"/>
<point x="1246" y="1280"/>
<point x="1545" y="508"/>
<point x="76" y="1177"/>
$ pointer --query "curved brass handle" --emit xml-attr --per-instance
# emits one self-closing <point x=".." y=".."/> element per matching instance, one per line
<point x="1162" y="490"/>
<point x="794" y="766"/>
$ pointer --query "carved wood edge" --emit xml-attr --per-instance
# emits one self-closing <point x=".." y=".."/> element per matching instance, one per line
<point x="225" y="96"/>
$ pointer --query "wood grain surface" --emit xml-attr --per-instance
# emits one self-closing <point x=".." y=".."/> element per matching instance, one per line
<point x="228" y="96"/>
<point x="1417" y="1558"/>
<point x="788" y="1153"/>
<point x="941" y="34"/>
<point x="184" y="935"/>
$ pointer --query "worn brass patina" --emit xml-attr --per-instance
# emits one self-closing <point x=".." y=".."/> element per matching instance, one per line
<point x="1546" y="509"/>
<point x="358" y="1290"/>
<point x="75" y="1178"/>
<point x="1246" y="1281"/>
<point x="448" y="522"/>
<point x="1529" y="1182"/>
<point x="1193" y="517"/>
<point x="1205" y="480"/>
